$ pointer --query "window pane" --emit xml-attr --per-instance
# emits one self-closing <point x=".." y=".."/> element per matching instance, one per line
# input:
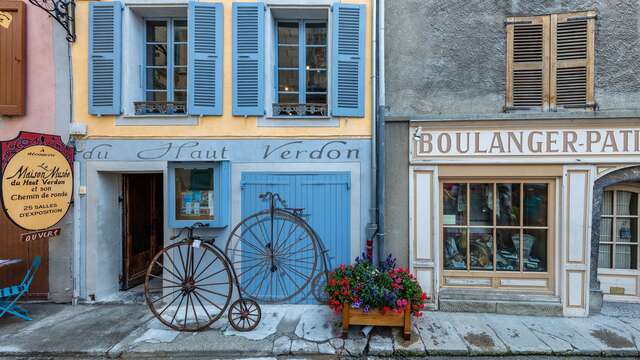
<point x="455" y="249"/>
<point x="534" y="250"/>
<point x="607" y="203"/>
<point x="317" y="81"/>
<point x="288" y="98"/>
<point x="535" y="204"/>
<point x="604" y="256"/>
<point x="317" y="99"/>
<point x="288" y="56"/>
<point x="194" y="194"/>
<point x="606" y="229"/>
<point x="454" y="204"/>
<point x="180" y="96"/>
<point x="180" y="31"/>
<point x="288" y="33"/>
<point x="157" y="31"/>
<point x="508" y="205"/>
<point x="180" y="54"/>
<point x="508" y="251"/>
<point x="626" y="203"/>
<point x="157" y="79"/>
<point x="481" y="250"/>
<point x="316" y="33"/>
<point x="316" y="58"/>
<point x="288" y="80"/>
<point x="157" y="96"/>
<point x="180" y="78"/>
<point x="481" y="208"/>
<point x="156" y="55"/>
<point x="626" y="257"/>
<point x="626" y="230"/>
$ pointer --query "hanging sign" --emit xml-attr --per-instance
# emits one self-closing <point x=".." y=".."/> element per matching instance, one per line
<point x="37" y="180"/>
<point x="5" y="19"/>
<point x="39" y="235"/>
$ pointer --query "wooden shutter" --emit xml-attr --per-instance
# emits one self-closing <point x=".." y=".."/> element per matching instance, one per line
<point x="205" y="59"/>
<point x="105" y="57"/>
<point x="12" y="57"/>
<point x="248" y="58"/>
<point x="347" y="85"/>
<point x="572" y="68"/>
<point x="528" y="46"/>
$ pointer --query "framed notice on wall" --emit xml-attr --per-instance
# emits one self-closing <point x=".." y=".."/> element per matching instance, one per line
<point x="198" y="192"/>
<point x="37" y="180"/>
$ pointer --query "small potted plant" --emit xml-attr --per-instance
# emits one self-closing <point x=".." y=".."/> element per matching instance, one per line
<point x="383" y="295"/>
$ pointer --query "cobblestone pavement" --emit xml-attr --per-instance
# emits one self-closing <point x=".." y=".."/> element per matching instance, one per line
<point x="301" y="331"/>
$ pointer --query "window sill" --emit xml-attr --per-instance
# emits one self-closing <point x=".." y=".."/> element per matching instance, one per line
<point x="298" y="121"/>
<point x="157" y="120"/>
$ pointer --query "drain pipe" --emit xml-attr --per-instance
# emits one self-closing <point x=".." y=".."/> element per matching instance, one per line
<point x="379" y="140"/>
<point x="372" y="227"/>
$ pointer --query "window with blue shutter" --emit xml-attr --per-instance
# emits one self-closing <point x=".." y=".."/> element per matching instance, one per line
<point x="105" y="57"/>
<point x="205" y="59"/>
<point x="248" y="59"/>
<point x="347" y="85"/>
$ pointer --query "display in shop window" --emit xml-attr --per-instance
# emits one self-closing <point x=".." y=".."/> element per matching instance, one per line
<point x="195" y="194"/>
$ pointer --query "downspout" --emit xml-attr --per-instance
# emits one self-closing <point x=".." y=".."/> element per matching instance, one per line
<point x="372" y="227"/>
<point x="379" y="141"/>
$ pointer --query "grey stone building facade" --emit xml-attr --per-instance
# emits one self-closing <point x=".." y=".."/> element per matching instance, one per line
<point x="511" y="143"/>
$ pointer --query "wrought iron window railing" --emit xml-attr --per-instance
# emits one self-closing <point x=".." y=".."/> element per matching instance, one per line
<point x="160" y="107"/>
<point x="300" y="109"/>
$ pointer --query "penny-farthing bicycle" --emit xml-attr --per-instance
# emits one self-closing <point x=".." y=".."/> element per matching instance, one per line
<point x="189" y="286"/>
<point x="276" y="254"/>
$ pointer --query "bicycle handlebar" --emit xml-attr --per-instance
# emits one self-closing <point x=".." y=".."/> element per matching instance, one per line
<point x="189" y="229"/>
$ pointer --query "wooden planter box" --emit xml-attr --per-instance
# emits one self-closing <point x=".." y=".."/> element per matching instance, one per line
<point x="375" y="317"/>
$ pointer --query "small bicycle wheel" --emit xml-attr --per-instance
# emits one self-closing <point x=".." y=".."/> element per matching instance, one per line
<point x="195" y="286"/>
<point x="275" y="257"/>
<point x="244" y="314"/>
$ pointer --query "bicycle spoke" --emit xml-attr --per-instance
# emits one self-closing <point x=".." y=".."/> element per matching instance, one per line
<point x="184" y="268"/>
<point x="275" y="245"/>
<point x="213" y="284"/>
<point x="212" y="292"/>
<point x="209" y="301"/>
<point x="174" y="265"/>
<point x="186" y="310"/>
<point x="163" y="279"/>
<point x="172" y="301"/>
<point x="202" y="305"/>
<point x="205" y="269"/>
<point x="210" y="276"/>
<point x="170" y="272"/>
<point x="291" y="232"/>
<point x="164" y="296"/>
<point x="178" y="309"/>
<point x="255" y="237"/>
<point x="199" y="261"/>
<point x="250" y="244"/>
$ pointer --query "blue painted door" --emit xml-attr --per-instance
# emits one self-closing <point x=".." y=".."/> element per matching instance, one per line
<point x="325" y="198"/>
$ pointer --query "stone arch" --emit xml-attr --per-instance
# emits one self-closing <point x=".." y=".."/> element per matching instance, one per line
<point x="619" y="176"/>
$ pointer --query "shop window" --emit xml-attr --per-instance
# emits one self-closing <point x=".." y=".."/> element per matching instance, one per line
<point x="619" y="230"/>
<point x="496" y="227"/>
<point x="199" y="193"/>
<point x="550" y="62"/>
<point x="301" y="71"/>
<point x="165" y="67"/>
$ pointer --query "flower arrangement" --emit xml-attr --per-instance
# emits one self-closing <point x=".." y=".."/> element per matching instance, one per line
<point x="365" y="286"/>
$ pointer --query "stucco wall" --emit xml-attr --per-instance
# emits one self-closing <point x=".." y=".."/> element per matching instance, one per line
<point x="40" y="112"/>
<point x="449" y="57"/>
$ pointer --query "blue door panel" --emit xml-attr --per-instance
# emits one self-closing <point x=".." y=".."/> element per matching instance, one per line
<point x="325" y="198"/>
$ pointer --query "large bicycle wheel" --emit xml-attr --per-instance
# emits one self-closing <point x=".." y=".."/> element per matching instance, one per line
<point x="275" y="257"/>
<point x="194" y="289"/>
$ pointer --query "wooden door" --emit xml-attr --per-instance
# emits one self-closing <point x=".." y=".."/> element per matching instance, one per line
<point x="12" y="248"/>
<point x="143" y="225"/>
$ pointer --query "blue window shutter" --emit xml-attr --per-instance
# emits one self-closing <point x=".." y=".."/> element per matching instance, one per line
<point x="105" y="57"/>
<point x="205" y="59"/>
<point x="248" y="58"/>
<point x="347" y="60"/>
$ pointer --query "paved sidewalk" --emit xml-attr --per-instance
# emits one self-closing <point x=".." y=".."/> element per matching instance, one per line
<point x="130" y="331"/>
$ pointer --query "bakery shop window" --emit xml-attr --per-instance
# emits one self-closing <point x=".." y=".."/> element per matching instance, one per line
<point x="198" y="193"/>
<point x="496" y="226"/>
<point x="619" y="229"/>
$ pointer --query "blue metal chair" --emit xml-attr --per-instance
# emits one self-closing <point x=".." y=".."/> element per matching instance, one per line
<point x="9" y="296"/>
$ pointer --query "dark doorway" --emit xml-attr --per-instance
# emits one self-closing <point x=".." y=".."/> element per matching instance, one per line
<point x="143" y="225"/>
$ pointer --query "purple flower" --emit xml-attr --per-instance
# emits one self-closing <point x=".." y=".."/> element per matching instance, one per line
<point x="357" y="304"/>
<point x="366" y="309"/>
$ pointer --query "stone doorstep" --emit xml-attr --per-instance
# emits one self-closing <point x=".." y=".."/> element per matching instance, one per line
<point x="501" y="307"/>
